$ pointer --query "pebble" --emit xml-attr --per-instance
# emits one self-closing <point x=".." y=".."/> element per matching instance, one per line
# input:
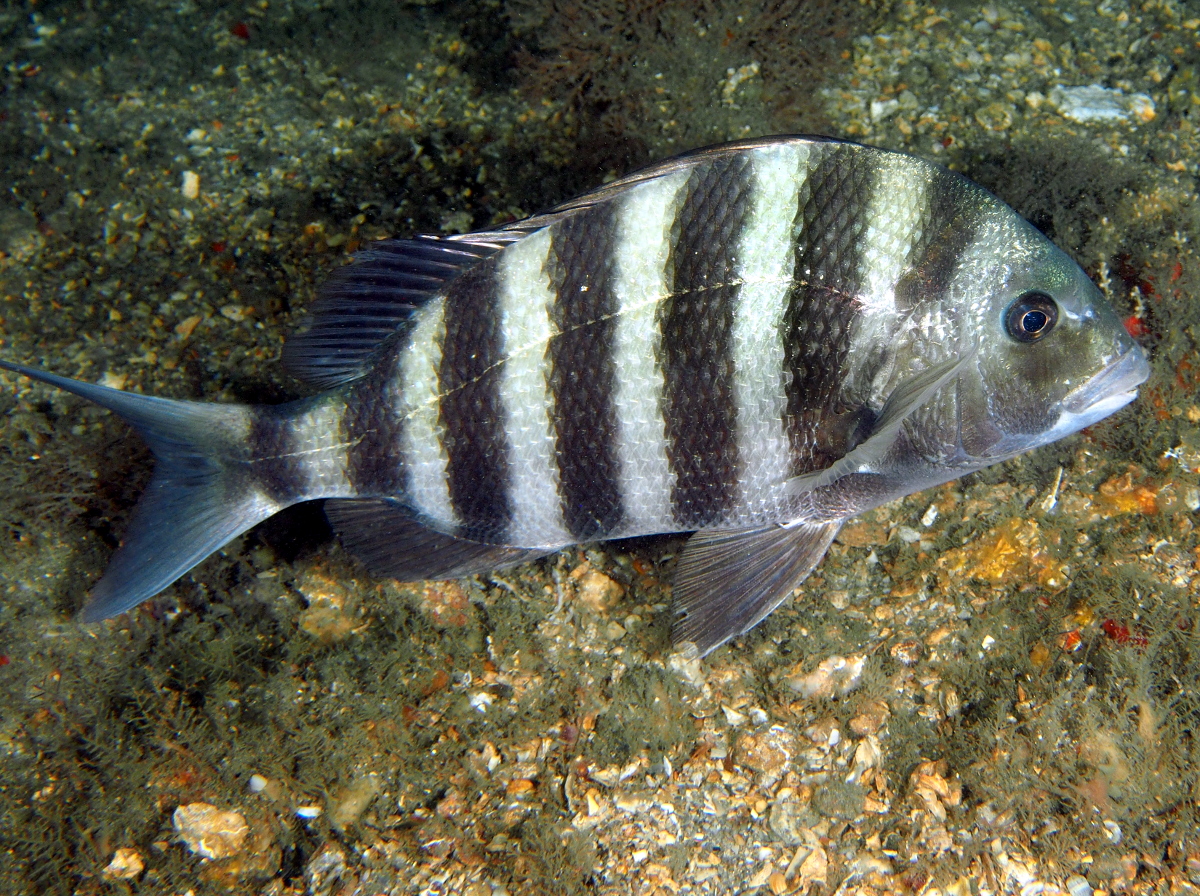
<point x="995" y="116"/>
<point x="597" y="590"/>
<point x="733" y="717"/>
<point x="769" y="752"/>
<point x="870" y="718"/>
<point x="833" y="677"/>
<point x="685" y="662"/>
<point x="353" y="800"/>
<point x="328" y="617"/>
<point x="1096" y="103"/>
<point x="126" y="864"/>
<point x="187" y="326"/>
<point x="191" y="185"/>
<point x="114" y="380"/>
<point x="211" y="832"/>
<point x="881" y="109"/>
<point x="790" y="814"/>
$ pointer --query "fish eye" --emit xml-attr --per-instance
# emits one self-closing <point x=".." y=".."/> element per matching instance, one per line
<point x="1031" y="316"/>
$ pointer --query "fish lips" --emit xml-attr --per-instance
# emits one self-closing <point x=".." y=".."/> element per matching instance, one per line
<point x="1110" y="389"/>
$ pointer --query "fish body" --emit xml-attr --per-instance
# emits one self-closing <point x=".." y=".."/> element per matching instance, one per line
<point x="752" y="342"/>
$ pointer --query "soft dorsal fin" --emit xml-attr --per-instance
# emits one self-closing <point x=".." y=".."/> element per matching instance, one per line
<point x="367" y="301"/>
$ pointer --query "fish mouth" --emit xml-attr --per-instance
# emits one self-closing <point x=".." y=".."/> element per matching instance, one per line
<point x="1112" y="388"/>
<point x="1108" y="391"/>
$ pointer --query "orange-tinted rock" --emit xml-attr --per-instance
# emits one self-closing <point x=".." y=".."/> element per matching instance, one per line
<point x="1016" y="550"/>
<point x="446" y="603"/>
<point x="211" y="832"/>
<point x="1130" y="492"/>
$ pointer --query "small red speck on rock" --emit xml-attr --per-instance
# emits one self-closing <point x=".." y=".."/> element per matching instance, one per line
<point x="1070" y="641"/>
<point x="1115" y="630"/>
<point x="217" y="246"/>
<point x="240" y="30"/>
<point x="4" y="660"/>
<point x="1135" y="326"/>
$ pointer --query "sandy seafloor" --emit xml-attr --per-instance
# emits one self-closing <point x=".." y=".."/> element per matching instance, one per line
<point x="991" y="687"/>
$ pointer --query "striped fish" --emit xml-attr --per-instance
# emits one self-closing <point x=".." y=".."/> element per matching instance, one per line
<point x="752" y="342"/>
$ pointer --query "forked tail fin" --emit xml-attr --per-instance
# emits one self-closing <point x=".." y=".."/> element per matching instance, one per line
<point x="200" y="498"/>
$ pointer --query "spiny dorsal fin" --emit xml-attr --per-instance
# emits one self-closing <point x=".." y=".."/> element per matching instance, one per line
<point x="367" y="301"/>
<point x="683" y="162"/>
<point x="726" y="582"/>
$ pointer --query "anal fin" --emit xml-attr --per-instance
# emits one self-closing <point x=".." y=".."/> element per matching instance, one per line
<point x="727" y="581"/>
<point x="391" y="544"/>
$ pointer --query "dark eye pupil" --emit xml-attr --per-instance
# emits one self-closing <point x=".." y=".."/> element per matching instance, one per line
<point x="1031" y="316"/>
<point x="1033" y="321"/>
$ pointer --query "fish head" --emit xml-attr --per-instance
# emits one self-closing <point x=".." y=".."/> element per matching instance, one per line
<point x="1049" y="354"/>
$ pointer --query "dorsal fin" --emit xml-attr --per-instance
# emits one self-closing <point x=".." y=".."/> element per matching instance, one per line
<point x="367" y="301"/>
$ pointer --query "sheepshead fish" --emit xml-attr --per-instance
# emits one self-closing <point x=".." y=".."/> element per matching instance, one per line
<point x="752" y="342"/>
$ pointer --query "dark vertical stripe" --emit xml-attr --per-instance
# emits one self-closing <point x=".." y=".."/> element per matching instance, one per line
<point x="372" y="428"/>
<point x="953" y="214"/>
<point x="471" y="411"/>
<point x="582" y="268"/>
<point x="949" y="228"/>
<point x="831" y="216"/>
<point x="278" y="469"/>
<point x="696" y="323"/>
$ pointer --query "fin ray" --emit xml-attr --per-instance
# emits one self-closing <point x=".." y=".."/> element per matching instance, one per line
<point x="198" y="500"/>
<point x="727" y="581"/>
<point x="364" y="303"/>
<point x="383" y="535"/>
<point x="899" y="405"/>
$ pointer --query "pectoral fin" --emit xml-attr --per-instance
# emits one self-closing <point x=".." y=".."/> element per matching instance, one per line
<point x="726" y="582"/>
<point x="906" y="398"/>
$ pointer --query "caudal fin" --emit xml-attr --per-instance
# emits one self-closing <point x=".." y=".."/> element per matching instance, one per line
<point x="199" y="499"/>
